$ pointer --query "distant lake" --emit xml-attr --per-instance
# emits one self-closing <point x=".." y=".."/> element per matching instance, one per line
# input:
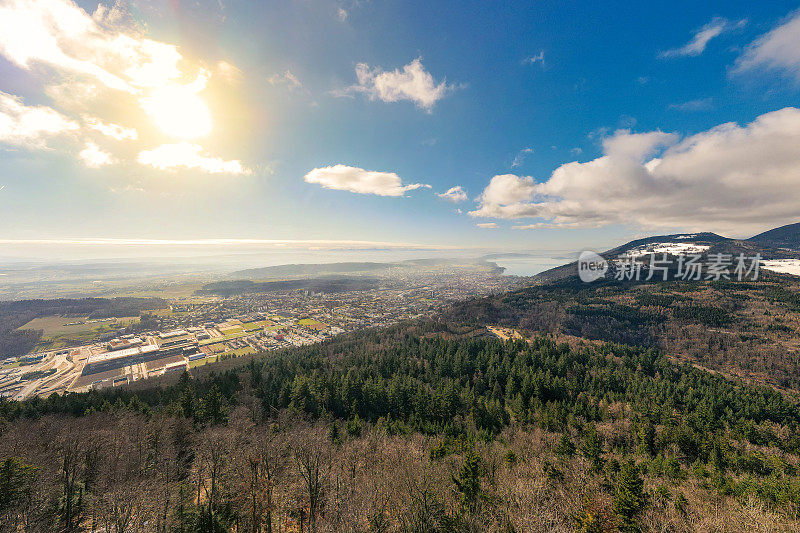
<point x="527" y="265"/>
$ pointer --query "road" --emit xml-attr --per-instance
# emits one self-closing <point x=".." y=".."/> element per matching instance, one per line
<point x="68" y="367"/>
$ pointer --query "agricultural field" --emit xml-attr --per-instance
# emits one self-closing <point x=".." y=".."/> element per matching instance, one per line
<point x="216" y="340"/>
<point x="215" y="348"/>
<point x="247" y="350"/>
<point x="312" y="323"/>
<point x="61" y="331"/>
<point x="203" y="361"/>
<point x="261" y="324"/>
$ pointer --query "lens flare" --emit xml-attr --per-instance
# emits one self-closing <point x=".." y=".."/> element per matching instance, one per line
<point x="178" y="111"/>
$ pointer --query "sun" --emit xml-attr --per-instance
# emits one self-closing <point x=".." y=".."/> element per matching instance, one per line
<point x="178" y="111"/>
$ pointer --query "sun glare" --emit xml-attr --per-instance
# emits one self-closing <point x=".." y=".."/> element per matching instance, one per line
<point x="178" y="111"/>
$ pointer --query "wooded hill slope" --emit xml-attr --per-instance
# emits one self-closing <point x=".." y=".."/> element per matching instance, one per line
<point x="420" y="427"/>
<point x="746" y="330"/>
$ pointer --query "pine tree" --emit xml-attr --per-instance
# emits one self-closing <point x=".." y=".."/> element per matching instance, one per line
<point x="647" y="438"/>
<point x="592" y="448"/>
<point x="468" y="481"/>
<point x="15" y="480"/>
<point x="214" y="406"/>
<point x="717" y="458"/>
<point x="565" y="447"/>
<point x="333" y="433"/>
<point x="187" y="399"/>
<point x="629" y="497"/>
<point x="354" y="427"/>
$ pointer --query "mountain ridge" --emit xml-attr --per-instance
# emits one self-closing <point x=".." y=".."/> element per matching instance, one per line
<point x="787" y="236"/>
<point x="766" y="244"/>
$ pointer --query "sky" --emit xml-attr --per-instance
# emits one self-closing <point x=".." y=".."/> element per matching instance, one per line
<point x="369" y="124"/>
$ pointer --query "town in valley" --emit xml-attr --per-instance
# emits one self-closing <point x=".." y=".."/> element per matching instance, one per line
<point x="225" y="320"/>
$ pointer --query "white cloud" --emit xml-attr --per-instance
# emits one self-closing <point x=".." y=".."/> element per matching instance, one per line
<point x="636" y="146"/>
<point x="697" y="45"/>
<point x="60" y="34"/>
<point x="487" y="225"/>
<point x="537" y="58"/>
<point x="229" y="72"/>
<point x="100" y="56"/>
<point x="454" y="194"/>
<point x="779" y="49"/>
<point x="287" y="79"/>
<point x="30" y="126"/>
<point x="358" y="180"/>
<point x="412" y="83"/>
<point x="102" y="61"/>
<point x="341" y="14"/>
<point x="93" y="157"/>
<point x="550" y="225"/>
<point x="505" y="191"/>
<point x="187" y="155"/>
<point x="117" y="16"/>
<point x="729" y="178"/>
<point x="114" y="131"/>
<point x="520" y="157"/>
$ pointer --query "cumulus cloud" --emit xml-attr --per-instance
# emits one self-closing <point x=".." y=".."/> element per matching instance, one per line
<point x="30" y="126"/>
<point x="358" y="180"/>
<point x="93" y="157"/>
<point x="729" y="178"/>
<point x="505" y="195"/>
<point x="412" y="83"/>
<point x="454" y="194"/>
<point x="699" y="41"/>
<point x="61" y="35"/>
<point x="779" y="49"/>
<point x="114" y="131"/>
<point x="625" y="145"/>
<point x="188" y="155"/>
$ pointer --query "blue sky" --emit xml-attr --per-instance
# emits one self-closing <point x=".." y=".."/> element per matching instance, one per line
<point x="564" y="124"/>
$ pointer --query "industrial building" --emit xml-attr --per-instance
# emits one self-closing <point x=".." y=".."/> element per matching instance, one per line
<point x="134" y="356"/>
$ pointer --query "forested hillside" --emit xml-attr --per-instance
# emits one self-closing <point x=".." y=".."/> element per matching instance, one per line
<point x="787" y="236"/>
<point x="423" y="427"/>
<point x="746" y="330"/>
